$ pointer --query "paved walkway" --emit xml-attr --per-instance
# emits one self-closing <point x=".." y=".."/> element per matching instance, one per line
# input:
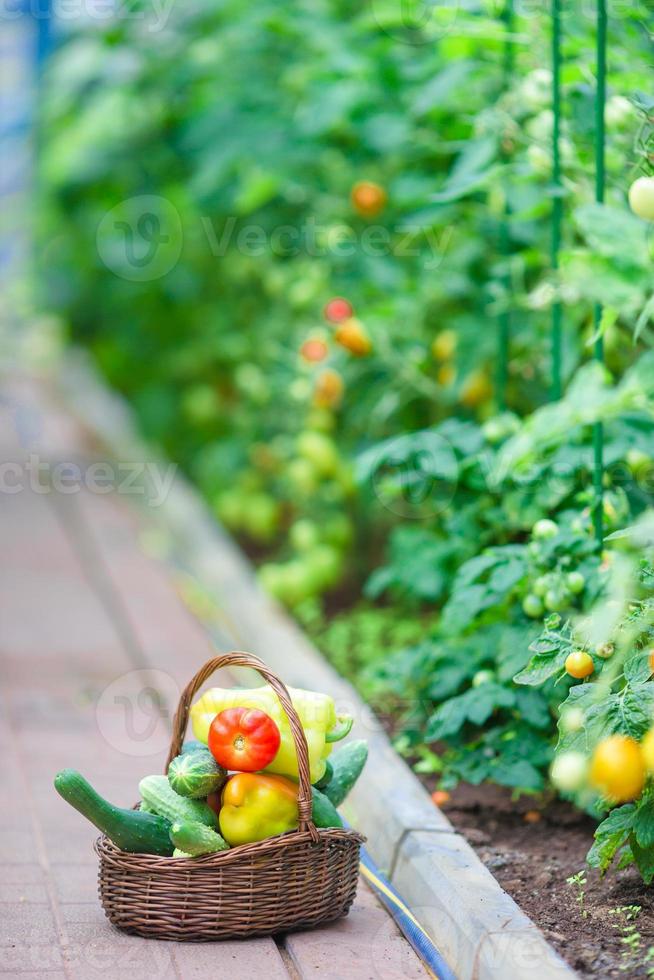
<point x="90" y="628"/>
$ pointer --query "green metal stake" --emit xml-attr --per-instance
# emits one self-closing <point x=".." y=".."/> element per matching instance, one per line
<point x="557" y="200"/>
<point x="504" y="324"/>
<point x="600" y="186"/>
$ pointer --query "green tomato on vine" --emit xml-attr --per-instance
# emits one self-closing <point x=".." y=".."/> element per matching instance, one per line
<point x="532" y="606"/>
<point x="641" y="198"/>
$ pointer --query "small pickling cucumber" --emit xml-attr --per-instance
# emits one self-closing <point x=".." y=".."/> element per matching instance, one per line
<point x="196" y="774"/>
<point x="196" y="838"/>
<point x="347" y="764"/>
<point x="158" y="795"/>
<point x="180" y="854"/>
<point x="192" y="746"/>
<point x="323" y="811"/>
<point x="131" y="830"/>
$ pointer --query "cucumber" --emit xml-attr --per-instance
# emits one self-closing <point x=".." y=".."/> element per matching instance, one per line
<point x="180" y="854"/>
<point x="326" y="776"/>
<point x="196" y="838"/>
<point x="158" y="795"/>
<point x="130" y="830"/>
<point x="196" y="774"/>
<point x="193" y="746"/>
<point x="323" y="812"/>
<point x="347" y="764"/>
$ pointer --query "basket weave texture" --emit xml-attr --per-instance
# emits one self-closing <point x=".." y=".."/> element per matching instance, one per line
<point x="292" y="881"/>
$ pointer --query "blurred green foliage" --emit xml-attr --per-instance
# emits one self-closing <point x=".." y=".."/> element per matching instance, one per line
<point x="237" y="132"/>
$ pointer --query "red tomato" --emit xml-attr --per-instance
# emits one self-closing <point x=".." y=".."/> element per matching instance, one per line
<point x="243" y="739"/>
<point x="314" y="349"/>
<point x="338" y="309"/>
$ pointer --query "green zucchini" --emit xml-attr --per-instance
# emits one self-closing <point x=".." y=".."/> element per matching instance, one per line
<point x="196" y="774"/>
<point x="196" y="838"/>
<point x="347" y="765"/>
<point x="158" y="795"/>
<point x="323" y="812"/>
<point x="130" y="830"/>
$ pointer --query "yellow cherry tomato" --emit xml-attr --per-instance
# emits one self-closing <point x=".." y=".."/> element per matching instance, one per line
<point x="617" y="769"/>
<point x="352" y="335"/>
<point x="579" y="664"/>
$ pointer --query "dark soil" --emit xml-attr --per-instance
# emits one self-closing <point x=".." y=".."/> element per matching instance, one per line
<point x="531" y="850"/>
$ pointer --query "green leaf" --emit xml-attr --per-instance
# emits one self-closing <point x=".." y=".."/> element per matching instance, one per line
<point x="644" y="824"/>
<point x="533" y="708"/>
<point x="475" y="706"/>
<point x="542" y="666"/>
<point x="517" y="774"/>
<point x="613" y="232"/>
<point x="473" y="170"/>
<point x="610" y="835"/>
<point x="644" y="858"/>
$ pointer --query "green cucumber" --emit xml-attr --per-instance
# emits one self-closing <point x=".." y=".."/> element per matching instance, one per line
<point x="326" y="776"/>
<point x="196" y="774"/>
<point x="196" y="838"/>
<point x="180" y="854"/>
<point x="192" y="746"/>
<point x="323" y="812"/>
<point x="347" y="764"/>
<point x="158" y="795"/>
<point x="130" y="830"/>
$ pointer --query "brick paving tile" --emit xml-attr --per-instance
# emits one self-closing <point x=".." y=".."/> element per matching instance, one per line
<point x="224" y="961"/>
<point x="366" y="945"/>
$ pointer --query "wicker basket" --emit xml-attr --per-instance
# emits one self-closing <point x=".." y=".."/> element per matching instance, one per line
<point x="291" y="881"/>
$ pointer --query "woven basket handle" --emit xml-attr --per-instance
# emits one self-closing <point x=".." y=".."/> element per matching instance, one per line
<point x="239" y="659"/>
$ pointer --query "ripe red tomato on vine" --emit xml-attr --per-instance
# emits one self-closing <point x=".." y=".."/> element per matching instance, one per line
<point x="338" y="309"/>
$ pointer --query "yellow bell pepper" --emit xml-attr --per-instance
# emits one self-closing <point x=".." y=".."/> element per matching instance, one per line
<point x="316" y="712"/>
<point x="255" y="806"/>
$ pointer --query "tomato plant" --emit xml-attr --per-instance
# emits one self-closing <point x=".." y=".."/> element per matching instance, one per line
<point x="355" y="219"/>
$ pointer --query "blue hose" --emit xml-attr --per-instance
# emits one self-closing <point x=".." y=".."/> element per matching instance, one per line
<point x="408" y="924"/>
